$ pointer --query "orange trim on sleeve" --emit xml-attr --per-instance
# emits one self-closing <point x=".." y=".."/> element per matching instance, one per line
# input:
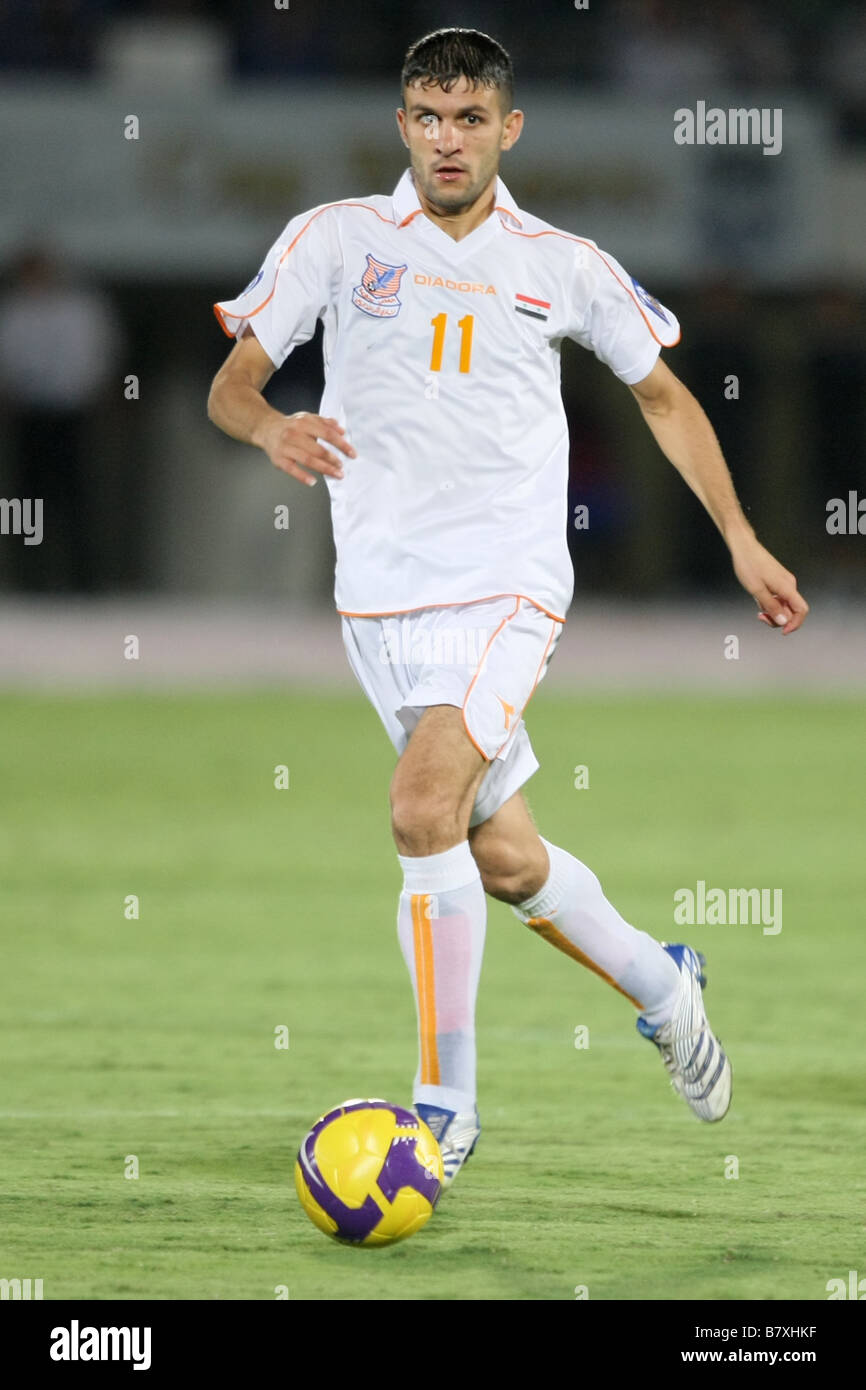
<point x="548" y="932"/>
<point x="581" y="241"/>
<point x="218" y="310"/>
<point x="220" y="316"/>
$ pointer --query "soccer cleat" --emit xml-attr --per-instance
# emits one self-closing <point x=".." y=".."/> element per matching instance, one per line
<point x="699" y="1070"/>
<point x="456" y="1135"/>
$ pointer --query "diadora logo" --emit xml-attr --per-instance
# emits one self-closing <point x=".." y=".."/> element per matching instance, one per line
<point x="377" y="293"/>
<point x="463" y="286"/>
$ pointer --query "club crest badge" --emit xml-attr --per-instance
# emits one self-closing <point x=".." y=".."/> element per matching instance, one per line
<point x="651" y="303"/>
<point x="377" y="293"/>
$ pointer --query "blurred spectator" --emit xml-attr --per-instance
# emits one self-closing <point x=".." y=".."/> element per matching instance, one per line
<point x="166" y="45"/>
<point x="835" y="448"/>
<point x="844" y="73"/>
<point x="58" y="345"/>
<point x="600" y="508"/>
<point x="663" y="50"/>
<point x="655" y="47"/>
<point x="302" y="41"/>
<point x="48" y="35"/>
<point x="836" y="387"/>
<point x="757" y="49"/>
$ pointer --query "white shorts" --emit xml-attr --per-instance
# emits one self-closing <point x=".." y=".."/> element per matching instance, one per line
<point x="485" y="658"/>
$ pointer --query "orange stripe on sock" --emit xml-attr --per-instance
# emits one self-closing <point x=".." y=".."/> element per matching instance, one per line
<point x="419" y="987"/>
<point x="550" y="933"/>
<point x="426" y="984"/>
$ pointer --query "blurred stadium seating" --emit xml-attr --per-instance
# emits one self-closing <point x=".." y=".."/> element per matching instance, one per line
<point x="250" y="114"/>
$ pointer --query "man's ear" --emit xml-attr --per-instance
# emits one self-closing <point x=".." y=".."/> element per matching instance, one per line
<point x="511" y="129"/>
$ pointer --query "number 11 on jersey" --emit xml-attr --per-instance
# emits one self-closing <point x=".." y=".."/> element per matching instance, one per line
<point x="438" y="325"/>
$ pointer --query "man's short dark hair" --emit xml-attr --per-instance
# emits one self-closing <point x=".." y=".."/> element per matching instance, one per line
<point x="440" y="59"/>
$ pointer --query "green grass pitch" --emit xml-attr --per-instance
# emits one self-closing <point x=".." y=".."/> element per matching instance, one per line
<point x="262" y="907"/>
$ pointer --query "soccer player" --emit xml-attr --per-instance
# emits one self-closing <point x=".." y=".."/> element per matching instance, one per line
<point x="443" y="442"/>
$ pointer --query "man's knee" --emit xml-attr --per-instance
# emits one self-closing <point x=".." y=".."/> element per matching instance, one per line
<point x="425" y="819"/>
<point x="510" y="872"/>
<point x="434" y="784"/>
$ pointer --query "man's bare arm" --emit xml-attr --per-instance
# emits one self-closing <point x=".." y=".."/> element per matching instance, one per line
<point x="688" y="440"/>
<point x="236" y="405"/>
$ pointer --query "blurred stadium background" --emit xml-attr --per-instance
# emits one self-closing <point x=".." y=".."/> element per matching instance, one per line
<point x="154" y="1037"/>
<point x="247" y="114"/>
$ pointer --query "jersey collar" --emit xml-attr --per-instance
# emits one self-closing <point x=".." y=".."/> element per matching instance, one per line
<point x="406" y="203"/>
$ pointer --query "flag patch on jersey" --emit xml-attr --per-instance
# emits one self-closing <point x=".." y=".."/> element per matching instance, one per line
<point x="533" y="308"/>
<point x="377" y="292"/>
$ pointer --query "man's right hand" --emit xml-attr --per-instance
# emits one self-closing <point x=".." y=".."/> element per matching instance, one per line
<point x="292" y="443"/>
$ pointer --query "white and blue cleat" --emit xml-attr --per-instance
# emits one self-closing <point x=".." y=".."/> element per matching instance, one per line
<point x="699" y="1070"/>
<point x="455" y="1133"/>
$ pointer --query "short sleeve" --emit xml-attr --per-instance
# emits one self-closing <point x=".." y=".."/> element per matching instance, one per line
<point x="616" y="318"/>
<point x="292" y="289"/>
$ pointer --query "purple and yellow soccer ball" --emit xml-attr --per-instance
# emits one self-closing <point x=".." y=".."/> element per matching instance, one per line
<point x="369" y="1173"/>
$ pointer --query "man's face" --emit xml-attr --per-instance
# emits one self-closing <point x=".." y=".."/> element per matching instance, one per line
<point x="455" y="140"/>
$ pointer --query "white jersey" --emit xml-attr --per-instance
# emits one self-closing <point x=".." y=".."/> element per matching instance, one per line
<point x="442" y="363"/>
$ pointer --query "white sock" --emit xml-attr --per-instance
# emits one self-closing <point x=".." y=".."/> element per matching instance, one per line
<point x="572" y="913"/>
<point x="441" y="924"/>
